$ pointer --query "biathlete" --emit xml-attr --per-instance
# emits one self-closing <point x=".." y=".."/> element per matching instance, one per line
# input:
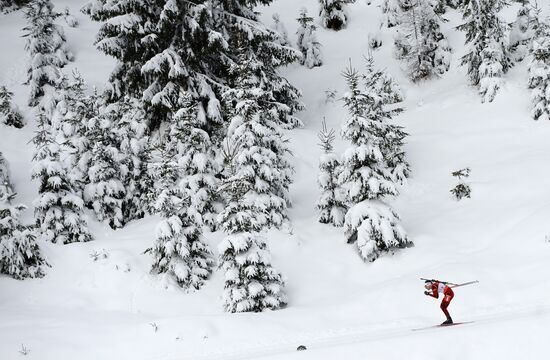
<point x="433" y="289"/>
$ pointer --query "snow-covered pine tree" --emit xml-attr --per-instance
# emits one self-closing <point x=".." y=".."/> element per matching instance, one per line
<point x="48" y="52"/>
<point x="257" y="175"/>
<point x="331" y="204"/>
<point x="104" y="190"/>
<point x="521" y="32"/>
<point x="179" y="252"/>
<point x="307" y="41"/>
<point x="490" y="72"/>
<point x="369" y="222"/>
<point x="539" y="77"/>
<point x="127" y="34"/>
<point x="389" y="93"/>
<point x="391" y="12"/>
<point x="59" y="207"/>
<point x="20" y="256"/>
<point x="484" y="30"/>
<point x="421" y="43"/>
<point x="9" y="114"/>
<point x="8" y="5"/>
<point x="131" y="129"/>
<point x="280" y="29"/>
<point x="332" y="13"/>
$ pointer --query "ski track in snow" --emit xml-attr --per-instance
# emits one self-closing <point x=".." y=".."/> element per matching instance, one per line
<point x="349" y="336"/>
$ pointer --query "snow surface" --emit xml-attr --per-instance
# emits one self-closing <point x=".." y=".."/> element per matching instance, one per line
<point x="339" y="307"/>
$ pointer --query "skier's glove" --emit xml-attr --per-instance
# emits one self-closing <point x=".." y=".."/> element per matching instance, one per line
<point x="426" y="293"/>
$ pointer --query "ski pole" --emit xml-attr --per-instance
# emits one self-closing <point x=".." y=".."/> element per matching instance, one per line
<point x="466" y="283"/>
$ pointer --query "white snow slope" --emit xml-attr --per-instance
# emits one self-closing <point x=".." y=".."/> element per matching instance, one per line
<point x="339" y="307"/>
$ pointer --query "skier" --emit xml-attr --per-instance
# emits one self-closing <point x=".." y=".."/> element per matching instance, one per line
<point x="433" y="288"/>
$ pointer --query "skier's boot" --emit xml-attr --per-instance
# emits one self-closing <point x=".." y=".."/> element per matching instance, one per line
<point x="449" y="321"/>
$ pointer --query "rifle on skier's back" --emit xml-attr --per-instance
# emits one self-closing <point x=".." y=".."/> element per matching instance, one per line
<point x="450" y="284"/>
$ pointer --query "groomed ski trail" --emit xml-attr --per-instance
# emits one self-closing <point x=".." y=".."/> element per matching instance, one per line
<point x="349" y="336"/>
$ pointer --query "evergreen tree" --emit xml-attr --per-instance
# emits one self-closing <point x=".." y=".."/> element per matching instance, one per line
<point x="332" y="13"/>
<point x="392" y="10"/>
<point x="331" y="203"/>
<point x="7" y="5"/>
<point x="280" y="29"/>
<point x="131" y="130"/>
<point x="9" y="114"/>
<point x="59" y="208"/>
<point x="48" y="52"/>
<point x="490" y="72"/>
<point x="179" y="250"/>
<point x="539" y="77"/>
<point x="104" y="190"/>
<point x="307" y="41"/>
<point x="257" y="179"/>
<point x="421" y="42"/>
<point x="262" y="149"/>
<point x="486" y="43"/>
<point x="366" y="174"/>
<point x="521" y="32"/>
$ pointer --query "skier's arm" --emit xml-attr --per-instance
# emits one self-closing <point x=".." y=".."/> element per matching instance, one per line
<point x="434" y="293"/>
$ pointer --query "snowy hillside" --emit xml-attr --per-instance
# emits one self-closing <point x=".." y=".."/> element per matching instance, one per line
<point x="99" y="300"/>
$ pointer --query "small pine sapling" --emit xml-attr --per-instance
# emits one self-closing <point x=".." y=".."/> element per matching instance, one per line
<point x="9" y="114"/>
<point x="462" y="189"/>
<point x="280" y="29"/>
<point x="307" y="41"/>
<point x="331" y="203"/>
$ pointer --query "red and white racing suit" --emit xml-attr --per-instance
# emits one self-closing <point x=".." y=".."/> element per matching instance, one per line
<point x="448" y="295"/>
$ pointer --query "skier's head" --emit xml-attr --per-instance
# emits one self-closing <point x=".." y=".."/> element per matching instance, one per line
<point x="428" y="285"/>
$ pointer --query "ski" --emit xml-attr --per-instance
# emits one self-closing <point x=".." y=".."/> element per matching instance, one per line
<point x="441" y="325"/>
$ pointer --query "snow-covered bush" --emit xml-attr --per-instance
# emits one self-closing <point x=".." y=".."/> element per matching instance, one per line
<point x="307" y="41"/>
<point x="490" y="72"/>
<point x="69" y="18"/>
<point x="332" y="13"/>
<point x="462" y="189"/>
<point x="331" y="203"/>
<point x="375" y="40"/>
<point x="9" y="114"/>
<point x="375" y="228"/>
<point x="9" y="5"/>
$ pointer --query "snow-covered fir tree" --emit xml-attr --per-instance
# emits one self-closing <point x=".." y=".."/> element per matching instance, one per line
<point x="132" y="130"/>
<point x="307" y="41"/>
<point x="421" y="43"/>
<point x="169" y="46"/>
<point x="391" y="12"/>
<point x="20" y="256"/>
<point x="366" y="174"/>
<point x="522" y="32"/>
<point x="331" y="204"/>
<point x="486" y="44"/>
<point x="539" y="77"/>
<point x="263" y="151"/>
<point x="332" y="13"/>
<point x="104" y="190"/>
<point x="9" y="114"/>
<point x="179" y="252"/>
<point x="280" y="29"/>
<point x="8" y="5"/>
<point x="48" y="52"/>
<point x="257" y="179"/>
<point x="59" y="207"/>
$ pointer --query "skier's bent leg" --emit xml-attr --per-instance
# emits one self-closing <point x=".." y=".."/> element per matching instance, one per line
<point x="444" y="305"/>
